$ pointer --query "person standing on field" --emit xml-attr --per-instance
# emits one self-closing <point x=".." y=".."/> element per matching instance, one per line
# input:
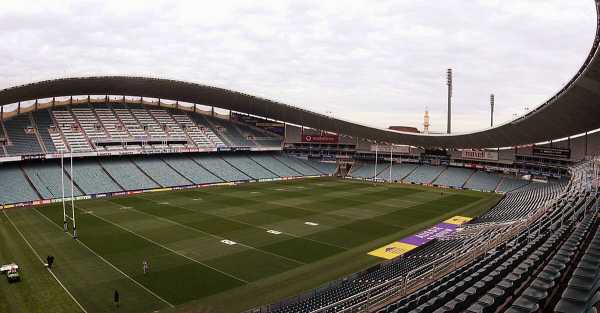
<point x="146" y="267"/>
<point x="116" y="298"/>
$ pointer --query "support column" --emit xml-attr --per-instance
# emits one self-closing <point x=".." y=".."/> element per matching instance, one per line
<point x="586" y="144"/>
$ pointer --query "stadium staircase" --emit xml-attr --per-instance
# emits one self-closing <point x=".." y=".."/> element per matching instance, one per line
<point x="37" y="133"/>
<point x="111" y="177"/>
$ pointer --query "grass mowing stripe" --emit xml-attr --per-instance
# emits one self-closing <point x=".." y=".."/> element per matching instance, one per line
<point x="109" y="263"/>
<point x="254" y="226"/>
<point x="165" y="247"/>
<point x="212" y="235"/>
<point x="42" y="261"/>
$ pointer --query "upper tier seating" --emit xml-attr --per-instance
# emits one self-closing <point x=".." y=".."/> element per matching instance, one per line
<point x="196" y="132"/>
<point x="424" y="174"/>
<point x="454" y="177"/>
<point x="87" y="120"/>
<point x="510" y="184"/>
<point x="101" y="127"/>
<point x="220" y="168"/>
<point x="44" y="122"/>
<point x="160" y="172"/>
<point x="72" y="132"/>
<point x="483" y="181"/>
<point x="148" y="122"/>
<point x="166" y="120"/>
<point x="297" y="165"/>
<point x="92" y="179"/>
<point x="113" y="127"/>
<point x="191" y="170"/>
<point x="46" y="178"/>
<point x="129" y="122"/>
<point x="230" y="131"/>
<point x="399" y="171"/>
<point x="21" y="135"/>
<point x="248" y="166"/>
<point x="274" y="165"/>
<point x="127" y="174"/>
<point x="14" y="187"/>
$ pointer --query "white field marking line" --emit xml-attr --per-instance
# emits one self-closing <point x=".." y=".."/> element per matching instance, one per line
<point x="167" y="248"/>
<point x="109" y="264"/>
<point x="248" y="224"/>
<point x="214" y="236"/>
<point x="42" y="261"/>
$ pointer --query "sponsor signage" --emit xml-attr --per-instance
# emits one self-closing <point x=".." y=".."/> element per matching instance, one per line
<point x="480" y="155"/>
<point x="562" y="153"/>
<point x="132" y="152"/>
<point x="392" y="148"/>
<point x="407" y="244"/>
<point x="323" y="138"/>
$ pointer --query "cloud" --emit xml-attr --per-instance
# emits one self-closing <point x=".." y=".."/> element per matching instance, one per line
<point x="378" y="63"/>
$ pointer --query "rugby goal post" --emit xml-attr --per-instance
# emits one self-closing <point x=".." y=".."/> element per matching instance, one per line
<point x="66" y="214"/>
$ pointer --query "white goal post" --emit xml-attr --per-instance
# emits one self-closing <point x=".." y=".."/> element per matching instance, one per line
<point x="68" y="215"/>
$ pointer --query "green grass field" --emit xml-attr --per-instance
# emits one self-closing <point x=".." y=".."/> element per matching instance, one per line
<point x="181" y="235"/>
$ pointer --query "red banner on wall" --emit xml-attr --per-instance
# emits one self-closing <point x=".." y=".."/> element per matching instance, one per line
<point x="324" y="138"/>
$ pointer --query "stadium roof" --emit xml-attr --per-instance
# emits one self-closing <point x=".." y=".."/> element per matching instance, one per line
<point x="573" y="110"/>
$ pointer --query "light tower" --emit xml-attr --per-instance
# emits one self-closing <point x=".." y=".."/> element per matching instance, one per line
<point x="492" y="110"/>
<point x="426" y="123"/>
<point x="449" y="83"/>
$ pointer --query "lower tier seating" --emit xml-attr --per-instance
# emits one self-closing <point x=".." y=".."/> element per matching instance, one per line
<point x="46" y="178"/>
<point x="191" y="170"/>
<point x="160" y="172"/>
<point x="248" y="166"/>
<point x="92" y="179"/>
<point x="14" y="187"/>
<point x="126" y="174"/>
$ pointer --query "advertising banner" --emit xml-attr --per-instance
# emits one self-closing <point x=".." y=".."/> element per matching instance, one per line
<point x="394" y="148"/>
<point x="323" y="138"/>
<point x="480" y="155"/>
<point x="409" y="243"/>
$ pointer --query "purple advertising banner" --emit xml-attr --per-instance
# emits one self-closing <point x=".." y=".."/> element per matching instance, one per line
<point x="437" y="231"/>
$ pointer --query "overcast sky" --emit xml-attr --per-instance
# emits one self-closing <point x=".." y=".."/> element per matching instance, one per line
<point x="376" y="62"/>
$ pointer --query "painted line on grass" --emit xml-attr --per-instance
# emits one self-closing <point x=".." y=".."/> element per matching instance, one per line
<point x="255" y="226"/>
<point x="108" y="262"/>
<point x="214" y="236"/>
<point x="167" y="248"/>
<point x="42" y="261"/>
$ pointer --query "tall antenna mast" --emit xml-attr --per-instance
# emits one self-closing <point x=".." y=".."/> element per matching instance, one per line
<point x="449" y="83"/>
<point x="492" y="110"/>
<point x="426" y="123"/>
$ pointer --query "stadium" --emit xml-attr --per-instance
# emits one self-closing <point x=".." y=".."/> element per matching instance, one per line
<point x="140" y="194"/>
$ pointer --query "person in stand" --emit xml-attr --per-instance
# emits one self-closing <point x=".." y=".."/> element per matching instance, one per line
<point x="116" y="298"/>
<point x="146" y="267"/>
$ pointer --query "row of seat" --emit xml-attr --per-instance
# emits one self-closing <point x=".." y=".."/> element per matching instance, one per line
<point x="42" y="179"/>
<point x="482" y="286"/>
<point x="455" y="177"/>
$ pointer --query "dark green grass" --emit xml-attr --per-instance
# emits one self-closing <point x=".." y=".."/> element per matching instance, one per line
<point x="17" y="297"/>
<point x="181" y="234"/>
